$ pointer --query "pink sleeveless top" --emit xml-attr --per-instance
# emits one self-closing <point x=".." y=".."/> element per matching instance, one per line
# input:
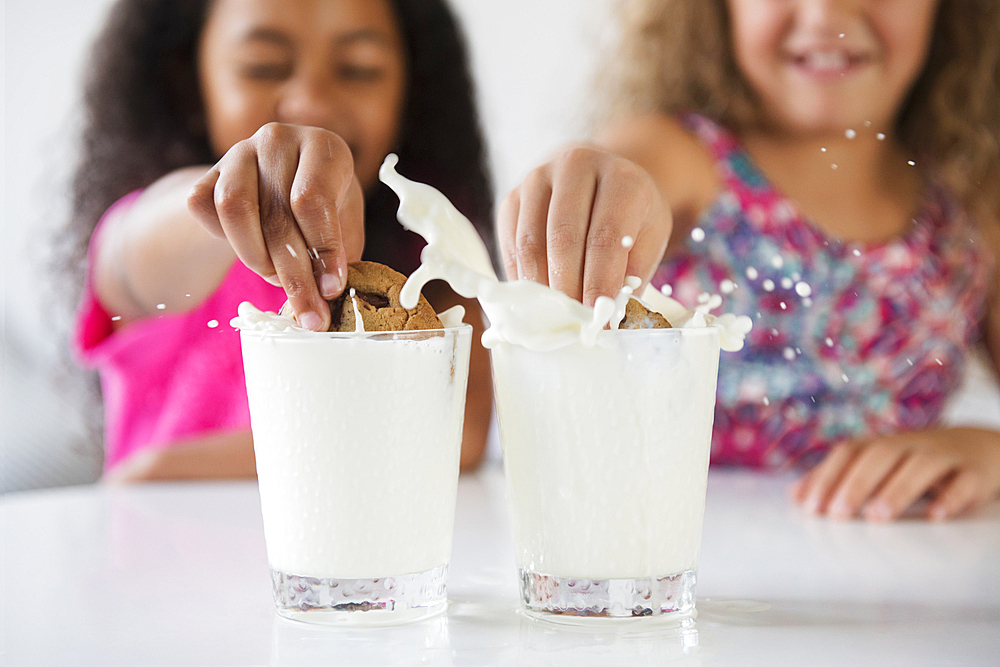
<point x="172" y="377"/>
<point x="850" y="340"/>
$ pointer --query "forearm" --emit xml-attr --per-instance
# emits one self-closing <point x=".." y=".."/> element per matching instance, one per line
<point x="155" y="257"/>
<point x="228" y="456"/>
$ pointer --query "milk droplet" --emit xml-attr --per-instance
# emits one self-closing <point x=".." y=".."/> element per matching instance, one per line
<point x="856" y="252"/>
<point x="767" y="401"/>
<point x="314" y="253"/>
<point x="751" y="273"/>
<point x="777" y="262"/>
<point x="783" y="305"/>
<point x="704" y="297"/>
<point x="939" y="362"/>
<point x="697" y="234"/>
<point x="116" y="318"/>
<point x="841" y="35"/>
<point x="666" y="290"/>
<point x="868" y="123"/>
<point x="788" y="353"/>
<point x="291" y="250"/>
<point x="823" y="149"/>
<point x="880" y="136"/>
<point x="726" y="286"/>
<point x="909" y="361"/>
<point x="786" y="283"/>
<point x="213" y="323"/>
<point x="188" y="295"/>
<point x="850" y="134"/>
<point x="768" y="285"/>
<point x="803" y="289"/>
<point x="843" y="376"/>
<point x="833" y="166"/>
<point x="829" y="342"/>
<point x="161" y="306"/>
<point x="911" y="163"/>
<point x="627" y="241"/>
<point x="807" y="302"/>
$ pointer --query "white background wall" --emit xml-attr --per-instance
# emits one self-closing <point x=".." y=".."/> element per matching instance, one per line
<point x="532" y="61"/>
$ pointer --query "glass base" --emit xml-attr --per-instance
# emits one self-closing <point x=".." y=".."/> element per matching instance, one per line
<point x="560" y="598"/>
<point x="382" y="601"/>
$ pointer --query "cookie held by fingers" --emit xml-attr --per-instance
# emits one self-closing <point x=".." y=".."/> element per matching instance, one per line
<point x="376" y="292"/>
<point x="637" y="316"/>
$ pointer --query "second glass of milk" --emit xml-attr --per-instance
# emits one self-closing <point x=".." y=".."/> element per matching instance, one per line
<point x="606" y="453"/>
<point x="357" y="438"/>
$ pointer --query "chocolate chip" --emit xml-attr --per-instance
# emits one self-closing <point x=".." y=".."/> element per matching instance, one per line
<point x="377" y="300"/>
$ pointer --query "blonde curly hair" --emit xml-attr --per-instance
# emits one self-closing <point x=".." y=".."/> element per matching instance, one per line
<point x="676" y="55"/>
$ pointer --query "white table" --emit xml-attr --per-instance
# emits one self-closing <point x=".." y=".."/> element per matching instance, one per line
<point x="177" y="574"/>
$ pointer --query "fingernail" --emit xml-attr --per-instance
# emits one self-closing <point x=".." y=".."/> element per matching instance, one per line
<point x="311" y="321"/>
<point x="878" y="511"/>
<point x="839" y="509"/>
<point x="329" y="285"/>
<point x="273" y="280"/>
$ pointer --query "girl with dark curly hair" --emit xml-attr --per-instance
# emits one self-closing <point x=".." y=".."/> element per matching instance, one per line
<point x="832" y="169"/>
<point x="295" y="104"/>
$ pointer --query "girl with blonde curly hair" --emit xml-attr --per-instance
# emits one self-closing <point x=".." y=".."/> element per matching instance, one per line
<point x="832" y="169"/>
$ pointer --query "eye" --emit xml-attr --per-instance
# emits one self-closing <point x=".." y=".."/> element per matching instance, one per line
<point x="359" y="73"/>
<point x="267" y="71"/>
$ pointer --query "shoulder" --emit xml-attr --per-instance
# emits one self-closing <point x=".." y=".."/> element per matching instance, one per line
<point x="680" y="163"/>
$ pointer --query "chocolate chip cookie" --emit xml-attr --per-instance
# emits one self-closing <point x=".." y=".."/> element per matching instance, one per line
<point x="637" y="316"/>
<point x="376" y="293"/>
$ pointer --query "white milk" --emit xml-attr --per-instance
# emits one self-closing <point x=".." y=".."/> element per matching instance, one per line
<point x="357" y="439"/>
<point x="606" y="452"/>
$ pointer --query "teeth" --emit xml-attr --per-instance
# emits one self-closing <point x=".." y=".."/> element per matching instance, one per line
<point x="827" y="60"/>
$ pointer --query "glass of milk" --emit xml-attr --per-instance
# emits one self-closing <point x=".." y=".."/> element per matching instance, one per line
<point x="606" y="454"/>
<point x="357" y="438"/>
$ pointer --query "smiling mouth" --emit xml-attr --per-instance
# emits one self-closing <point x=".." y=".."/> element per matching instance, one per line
<point x="828" y="63"/>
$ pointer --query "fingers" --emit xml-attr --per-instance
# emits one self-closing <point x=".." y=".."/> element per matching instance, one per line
<point x="569" y="214"/>
<point x="581" y="223"/>
<point x="912" y="479"/>
<point x="620" y="207"/>
<point x="961" y="493"/>
<point x="532" y="218"/>
<point x="321" y="184"/>
<point x="235" y="210"/>
<point x="201" y="202"/>
<point x="866" y="474"/>
<point x="823" y="479"/>
<point x="507" y="214"/>
<point x="278" y="161"/>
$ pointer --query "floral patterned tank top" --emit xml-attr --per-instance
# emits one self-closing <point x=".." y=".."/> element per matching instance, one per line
<point x="850" y="339"/>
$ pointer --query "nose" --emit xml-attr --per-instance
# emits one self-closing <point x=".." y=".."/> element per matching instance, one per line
<point x="311" y="98"/>
<point x="827" y="17"/>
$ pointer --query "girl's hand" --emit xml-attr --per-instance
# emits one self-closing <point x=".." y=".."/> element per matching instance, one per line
<point x="288" y="202"/>
<point x="564" y="225"/>
<point x="878" y="479"/>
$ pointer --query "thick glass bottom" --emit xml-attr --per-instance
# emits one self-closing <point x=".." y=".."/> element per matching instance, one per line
<point x="569" y="600"/>
<point x="381" y="601"/>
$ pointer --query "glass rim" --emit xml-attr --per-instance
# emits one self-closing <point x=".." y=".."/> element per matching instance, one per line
<point x="419" y="334"/>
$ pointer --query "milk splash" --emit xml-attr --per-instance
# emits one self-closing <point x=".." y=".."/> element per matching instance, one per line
<point x="522" y="312"/>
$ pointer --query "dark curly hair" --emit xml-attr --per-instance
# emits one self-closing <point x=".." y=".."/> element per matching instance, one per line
<point x="144" y="118"/>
